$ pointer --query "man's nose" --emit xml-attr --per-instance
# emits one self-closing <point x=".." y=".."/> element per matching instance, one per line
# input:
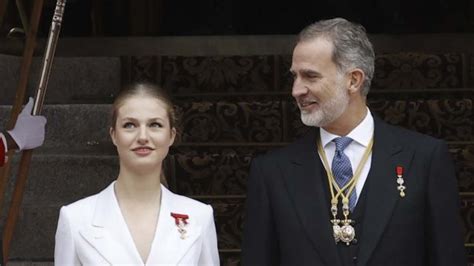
<point x="298" y="88"/>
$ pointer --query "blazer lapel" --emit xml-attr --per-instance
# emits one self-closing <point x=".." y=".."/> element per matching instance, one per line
<point x="108" y="232"/>
<point x="168" y="247"/>
<point x="305" y="182"/>
<point x="382" y="194"/>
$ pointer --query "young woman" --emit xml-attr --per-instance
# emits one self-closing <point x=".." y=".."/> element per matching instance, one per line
<point x="136" y="220"/>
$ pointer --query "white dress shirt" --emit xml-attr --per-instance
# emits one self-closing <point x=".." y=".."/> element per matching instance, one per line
<point x="361" y="136"/>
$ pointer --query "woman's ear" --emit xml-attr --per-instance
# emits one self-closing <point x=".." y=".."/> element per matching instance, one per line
<point x="112" y="135"/>
<point x="173" y="136"/>
<point x="357" y="77"/>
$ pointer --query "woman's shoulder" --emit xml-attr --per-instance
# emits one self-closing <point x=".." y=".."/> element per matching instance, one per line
<point x="84" y="206"/>
<point x="185" y="205"/>
<point x="81" y="204"/>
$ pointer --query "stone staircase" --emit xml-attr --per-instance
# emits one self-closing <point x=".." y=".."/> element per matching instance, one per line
<point x="233" y="96"/>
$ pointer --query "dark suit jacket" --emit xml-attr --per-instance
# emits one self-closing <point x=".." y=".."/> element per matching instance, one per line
<point x="287" y="220"/>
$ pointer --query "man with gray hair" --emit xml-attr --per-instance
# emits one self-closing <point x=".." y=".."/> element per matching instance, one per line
<point x="354" y="190"/>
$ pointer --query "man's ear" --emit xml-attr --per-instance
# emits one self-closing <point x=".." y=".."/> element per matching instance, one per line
<point x="112" y="135"/>
<point x="356" y="80"/>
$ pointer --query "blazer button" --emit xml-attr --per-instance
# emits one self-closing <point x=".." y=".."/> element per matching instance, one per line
<point x="354" y="259"/>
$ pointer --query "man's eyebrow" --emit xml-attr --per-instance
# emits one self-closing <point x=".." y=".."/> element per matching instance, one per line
<point x="310" y="72"/>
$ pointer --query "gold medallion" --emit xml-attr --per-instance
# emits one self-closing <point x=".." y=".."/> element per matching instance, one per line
<point x="347" y="232"/>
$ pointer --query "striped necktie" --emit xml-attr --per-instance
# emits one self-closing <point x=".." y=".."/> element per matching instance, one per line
<point x="342" y="169"/>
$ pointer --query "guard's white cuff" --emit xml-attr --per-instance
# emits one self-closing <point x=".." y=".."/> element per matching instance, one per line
<point x="4" y="143"/>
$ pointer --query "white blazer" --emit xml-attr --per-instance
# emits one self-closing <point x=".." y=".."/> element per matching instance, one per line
<point x="92" y="231"/>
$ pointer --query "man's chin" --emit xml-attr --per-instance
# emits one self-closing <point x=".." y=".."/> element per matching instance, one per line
<point x="310" y="120"/>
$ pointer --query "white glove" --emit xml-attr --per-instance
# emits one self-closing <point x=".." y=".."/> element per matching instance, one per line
<point x="28" y="132"/>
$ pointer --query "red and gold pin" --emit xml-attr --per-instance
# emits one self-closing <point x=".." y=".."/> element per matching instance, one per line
<point x="181" y="220"/>
<point x="400" y="181"/>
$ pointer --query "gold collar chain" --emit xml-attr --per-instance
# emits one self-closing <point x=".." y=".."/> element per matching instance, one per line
<point x="342" y="229"/>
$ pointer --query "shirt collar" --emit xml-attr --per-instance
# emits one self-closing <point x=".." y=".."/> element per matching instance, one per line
<point x="361" y="134"/>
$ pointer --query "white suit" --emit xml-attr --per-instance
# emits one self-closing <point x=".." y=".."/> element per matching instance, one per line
<point x="92" y="231"/>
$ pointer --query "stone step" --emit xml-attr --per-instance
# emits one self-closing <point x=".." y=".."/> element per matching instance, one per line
<point x="55" y="180"/>
<point x="72" y="79"/>
<point x="78" y="128"/>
